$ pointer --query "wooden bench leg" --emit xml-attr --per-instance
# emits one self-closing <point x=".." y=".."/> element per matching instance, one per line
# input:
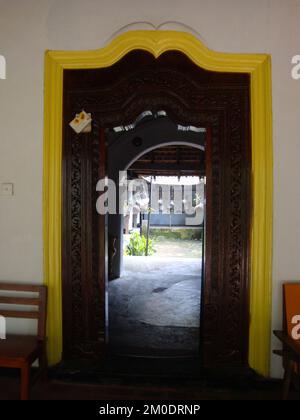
<point x="25" y="377"/>
<point x="43" y="365"/>
<point x="288" y="374"/>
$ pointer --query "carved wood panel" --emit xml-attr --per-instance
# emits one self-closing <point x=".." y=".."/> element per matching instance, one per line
<point x="82" y="309"/>
<point x="190" y="95"/>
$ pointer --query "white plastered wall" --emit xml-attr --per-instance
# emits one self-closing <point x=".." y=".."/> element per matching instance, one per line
<point x="28" y="28"/>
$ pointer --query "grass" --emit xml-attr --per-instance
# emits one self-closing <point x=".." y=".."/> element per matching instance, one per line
<point x="184" y="248"/>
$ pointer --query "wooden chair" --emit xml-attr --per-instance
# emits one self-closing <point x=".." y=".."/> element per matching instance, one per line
<point x="291" y="347"/>
<point x="20" y="351"/>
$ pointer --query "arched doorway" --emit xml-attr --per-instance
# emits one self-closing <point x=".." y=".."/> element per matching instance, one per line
<point x="124" y="148"/>
<point x="258" y="66"/>
<point x="117" y="96"/>
<point x="154" y="297"/>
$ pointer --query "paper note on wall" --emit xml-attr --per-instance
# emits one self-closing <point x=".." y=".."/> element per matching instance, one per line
<point x="82" y="123"/>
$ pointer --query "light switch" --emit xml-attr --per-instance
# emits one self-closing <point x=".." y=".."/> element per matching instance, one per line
<point x="7" y="189"/>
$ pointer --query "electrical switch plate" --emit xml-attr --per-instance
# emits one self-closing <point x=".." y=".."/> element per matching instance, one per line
<point x="7" y="189"/>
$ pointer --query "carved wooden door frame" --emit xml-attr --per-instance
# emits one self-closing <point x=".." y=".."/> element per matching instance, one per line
<point x="157" y="42"/>
<point x="191" y="96"/>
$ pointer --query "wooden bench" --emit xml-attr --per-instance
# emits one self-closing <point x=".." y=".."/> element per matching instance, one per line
<point x="290" y="347"/>
<point x="21" y="351"/>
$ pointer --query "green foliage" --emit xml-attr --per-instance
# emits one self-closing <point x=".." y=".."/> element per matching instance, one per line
<point x="177" y="233"/>
<point x="137" y="245"/>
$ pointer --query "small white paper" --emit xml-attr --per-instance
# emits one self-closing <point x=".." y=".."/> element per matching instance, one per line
<point x="82" y="122"/>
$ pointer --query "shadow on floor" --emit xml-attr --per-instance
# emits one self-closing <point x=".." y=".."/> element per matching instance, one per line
<point x="155" y="306"/>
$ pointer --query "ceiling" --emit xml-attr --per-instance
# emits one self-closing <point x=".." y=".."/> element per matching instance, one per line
<point x="170" y="161"/>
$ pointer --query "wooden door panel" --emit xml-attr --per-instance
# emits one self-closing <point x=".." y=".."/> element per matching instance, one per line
<point x="83" y="275"/>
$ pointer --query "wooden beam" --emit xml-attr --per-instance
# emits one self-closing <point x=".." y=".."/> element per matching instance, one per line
<point x="137" y="166"/>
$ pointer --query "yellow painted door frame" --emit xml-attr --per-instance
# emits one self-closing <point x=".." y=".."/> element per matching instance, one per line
<point x="158" y="42"/>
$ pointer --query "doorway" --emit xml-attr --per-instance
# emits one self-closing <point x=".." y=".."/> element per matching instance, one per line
<point x="156" y="251"/>
<point x="193" y="97"/>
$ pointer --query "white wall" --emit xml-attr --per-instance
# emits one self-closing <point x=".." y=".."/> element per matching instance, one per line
<point x="28" y="28"/>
